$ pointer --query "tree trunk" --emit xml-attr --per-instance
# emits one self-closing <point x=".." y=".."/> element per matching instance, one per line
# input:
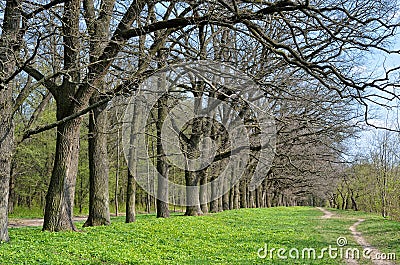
<point x="203" y="191"/>
<point x="214" y="193"/>
<point x="162" y="164"/>
<point x="131" y="199"/>
<point x="231" y="197"/>
<point x="99" y="209"/>
<point x="243" y="194"/>
<point x="257" y="195"/>
<point x="11" y="194"/>
<point x="60" y="195"/>
<point x="251" y="199"/>
<point x="236" y="197"/>
<point x="117" y="174"/>
<point x="6" y="148"/>
<point x="354" y="203"/>
<point x="132" y="170"/>
<point x="8" y="40"/>
<point x="225" y="198"/>
<point x="192" y="194"/>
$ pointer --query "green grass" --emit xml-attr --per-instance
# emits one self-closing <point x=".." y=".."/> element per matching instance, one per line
<point x="380" y="232"/>
<point x="231" y="237"/>
<point x="25" y="212"/>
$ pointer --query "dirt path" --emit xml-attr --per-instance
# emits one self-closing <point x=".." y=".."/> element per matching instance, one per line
<point x="16" y="223"/>
<point x="327" y="214"/>
<point x="373" y="252"/>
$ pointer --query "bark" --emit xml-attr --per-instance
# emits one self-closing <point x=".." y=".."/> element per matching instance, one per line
<point x="192" y="151"/>
<point x="231" y="197"/>
<point x="99" y="210"/>
<point x="192" y="194"/>
<point x="162" y="164"/>
<point x="257" y="197"/>
<point x="6" y="148"/>
<point x="117" y="175"/>
<point x="132" y="170"/>
<point x="251" y="199"/>
<point x="8" y="40"/>
<point x="214" y="191"/>
<point x="131" y="199"/>
<point x="203" y="191"/>
<point x="11" y="194"/>
<point x="225" y="198"/>
<point x="243" y="194"/>
<point x="236" y="197"/>
<point x="60" y="195"/>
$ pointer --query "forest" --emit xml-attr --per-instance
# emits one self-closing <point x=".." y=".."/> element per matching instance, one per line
<point x="121" y="108"/>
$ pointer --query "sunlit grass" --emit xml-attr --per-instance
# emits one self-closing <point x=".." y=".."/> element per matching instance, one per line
<point x="231" y="237"/>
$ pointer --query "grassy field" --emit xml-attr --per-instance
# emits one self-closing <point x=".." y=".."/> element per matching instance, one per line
<point x="231" y="237"/>
<point x="380" y="232"/>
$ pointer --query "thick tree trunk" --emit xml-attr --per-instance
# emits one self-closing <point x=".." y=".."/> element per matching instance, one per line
<point x="131" y="199"/>
<point x="257" y="195"/>
<point x="6" y="148"/>
<point x="162" y="164"/>
<point x="214" y="193"/>
<point x="99" y="209"/>
<point x="8" y="40"/>
<point x="130" y="207"/>
<point x="225" y="198"/>
<point x="192" y="194"/>
<point x="60" y="196"/>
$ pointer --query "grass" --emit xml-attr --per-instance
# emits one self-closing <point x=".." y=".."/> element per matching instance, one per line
<point x="25" y="212"/>
<point x="380" y="232"/>
<point x="231" y="237"/>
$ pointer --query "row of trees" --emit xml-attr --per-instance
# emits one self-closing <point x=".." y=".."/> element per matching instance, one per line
<point x="74" y="56"/>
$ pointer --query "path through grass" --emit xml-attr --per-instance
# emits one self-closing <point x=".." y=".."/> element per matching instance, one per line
<point x="231" y="237"/>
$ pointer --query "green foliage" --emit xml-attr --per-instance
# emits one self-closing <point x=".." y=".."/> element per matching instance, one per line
<point x="33" y="160"/>
<point x="230" y="237"/>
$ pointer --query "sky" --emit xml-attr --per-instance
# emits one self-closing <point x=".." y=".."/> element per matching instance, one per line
<point x="380" y="116"/>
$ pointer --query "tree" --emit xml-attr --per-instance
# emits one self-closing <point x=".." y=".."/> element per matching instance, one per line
<point x="98" y="29"/>
<point x="321" y="46"/>
<point x="8" y="46"/>
<point x="375" y="178"/>
<point x="99" y="210"/>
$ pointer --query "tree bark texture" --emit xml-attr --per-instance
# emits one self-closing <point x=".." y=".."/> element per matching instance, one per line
<point x="99" y="209"/>
<point x="60" y="195"/>
<point x="162" y="164"/>
<point x="8" y="40"/>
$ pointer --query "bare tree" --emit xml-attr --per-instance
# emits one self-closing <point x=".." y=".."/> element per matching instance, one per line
<point x="321" y="46"/>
